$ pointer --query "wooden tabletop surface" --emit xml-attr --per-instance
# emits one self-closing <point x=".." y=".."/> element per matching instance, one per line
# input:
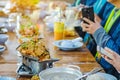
<point x="81" y="57"/>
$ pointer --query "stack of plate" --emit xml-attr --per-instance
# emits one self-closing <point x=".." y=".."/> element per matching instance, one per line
<point x="2" y="48"/>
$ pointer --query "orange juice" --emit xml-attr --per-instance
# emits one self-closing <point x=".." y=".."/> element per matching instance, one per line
<point x="58" y="30"/>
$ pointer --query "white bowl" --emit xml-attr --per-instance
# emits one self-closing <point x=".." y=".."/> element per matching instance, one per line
<point x="6" y="78"/>
<point x="101" y="76"/>
<point x="3" y="38"/>
<point x="67" y="44"/>
<point x="50" y="26"/>
<point x="2" y="48"/>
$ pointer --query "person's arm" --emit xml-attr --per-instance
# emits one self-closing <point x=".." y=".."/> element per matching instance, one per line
<point x="101" y="37"/>
<point x="115" y="61"/>
<point x="97" y="31"/>
<point x="90" y="27"/>
<point x="105" y="40"/>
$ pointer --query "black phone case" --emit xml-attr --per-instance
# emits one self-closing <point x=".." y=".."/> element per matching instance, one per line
<point x="79" y="31"/>
<point x="88" y="13"/>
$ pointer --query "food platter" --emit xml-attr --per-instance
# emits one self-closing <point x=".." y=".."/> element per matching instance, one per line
<point x="35" y="57"/>
<point x="31" y="65"/>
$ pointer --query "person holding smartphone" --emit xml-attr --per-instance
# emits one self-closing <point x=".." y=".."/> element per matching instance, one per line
<point x="115" y="61"/>
<point x="99" y="35"/>
<point x="103" y="38"/>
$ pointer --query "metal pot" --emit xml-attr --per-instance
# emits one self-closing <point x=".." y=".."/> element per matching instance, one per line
<point x="60" y="73"/>
<point x="35" y="65"/>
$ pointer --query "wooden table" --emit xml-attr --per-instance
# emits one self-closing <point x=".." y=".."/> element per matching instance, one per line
<point x="8" y="59"/>
<point x="81" y="57"/>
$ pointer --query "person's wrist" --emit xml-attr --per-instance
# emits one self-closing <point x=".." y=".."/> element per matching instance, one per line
<point x="97" y="31"/>
<point x="118" y="71"/>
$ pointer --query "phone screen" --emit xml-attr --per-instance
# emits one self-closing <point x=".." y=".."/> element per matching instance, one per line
<point x="104" y="52"/>
<point x="88" y="12"/>
<point x="78" y="29"/>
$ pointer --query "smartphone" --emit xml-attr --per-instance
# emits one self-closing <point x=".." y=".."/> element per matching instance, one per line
<point x="79" y="31"/>
<point x="104" y="52"/>
<point x="88" y="12"/>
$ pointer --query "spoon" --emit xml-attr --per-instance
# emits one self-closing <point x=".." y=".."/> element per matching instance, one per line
<point x="90" y="73"/>
<point x="1" y="47"/>
<point x="77" y="39"/>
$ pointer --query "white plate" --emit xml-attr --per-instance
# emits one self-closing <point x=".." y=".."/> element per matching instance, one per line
<point x="101" y="76"/>
<point x="68" y="45"/>
<point x="2" y="48"/>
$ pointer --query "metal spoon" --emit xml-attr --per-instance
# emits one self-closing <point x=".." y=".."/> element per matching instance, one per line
<point x="77" y="39"/>
<point x="90" y="73"/>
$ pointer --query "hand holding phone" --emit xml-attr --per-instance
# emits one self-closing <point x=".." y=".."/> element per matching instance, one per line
<point x="88" y="13"/>
<point x="104" y="52"/>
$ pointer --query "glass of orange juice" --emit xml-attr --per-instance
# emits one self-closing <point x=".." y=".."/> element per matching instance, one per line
<point x="58" y="30"/>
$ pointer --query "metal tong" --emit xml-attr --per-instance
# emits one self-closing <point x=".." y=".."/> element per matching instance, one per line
<point x="95" y="70"/>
